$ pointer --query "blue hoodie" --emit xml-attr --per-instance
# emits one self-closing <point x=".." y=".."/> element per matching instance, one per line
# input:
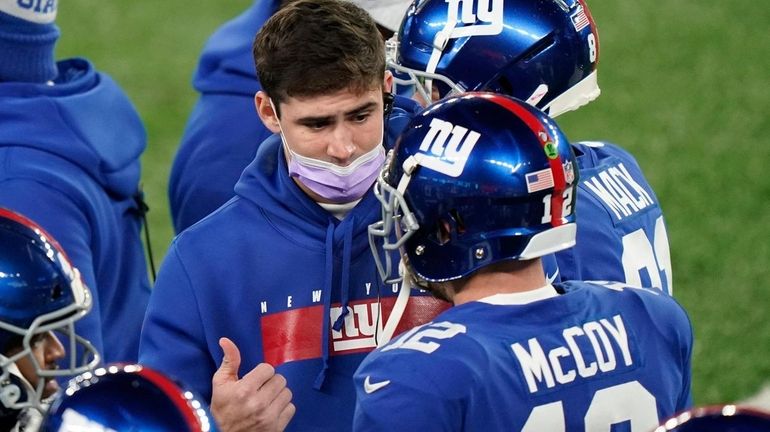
<point x="223" y="130"/>
<point x="69" y="160"/>
<point x="272" y="271"/>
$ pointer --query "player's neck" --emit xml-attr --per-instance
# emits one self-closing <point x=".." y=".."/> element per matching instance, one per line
<point x="527" y="277"/>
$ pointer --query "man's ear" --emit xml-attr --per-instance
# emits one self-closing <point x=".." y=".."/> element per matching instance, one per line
<point x="266" y="112"/>
<point x="387" y="83"/>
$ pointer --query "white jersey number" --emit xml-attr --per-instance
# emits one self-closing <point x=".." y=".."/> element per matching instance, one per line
<point x="627" y="402"/>
<point x="419" y="339"/>
<point x="639" y="253"/>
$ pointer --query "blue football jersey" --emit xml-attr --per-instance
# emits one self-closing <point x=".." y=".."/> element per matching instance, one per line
<point x="621" y="233"/>
<point x="598" y="357"/>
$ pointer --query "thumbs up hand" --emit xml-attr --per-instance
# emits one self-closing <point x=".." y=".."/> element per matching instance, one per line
<point x="260" y="401"/>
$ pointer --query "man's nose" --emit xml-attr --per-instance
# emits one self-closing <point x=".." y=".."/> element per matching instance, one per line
<point x="341" y="146"/>
<point x="54" y="348"/>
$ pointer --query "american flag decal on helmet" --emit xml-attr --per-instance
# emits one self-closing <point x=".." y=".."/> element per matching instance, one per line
<point x="579" y="18"/>
<point x="539" y="180"/>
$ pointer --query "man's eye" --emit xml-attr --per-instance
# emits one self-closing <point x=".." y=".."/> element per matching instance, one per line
<point x="362" y="117"/>
<point x="317" y="125"/>
<point x="37" y="339"/>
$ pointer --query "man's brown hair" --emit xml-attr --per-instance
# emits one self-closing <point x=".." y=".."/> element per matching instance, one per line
<point x="315" y="47"/>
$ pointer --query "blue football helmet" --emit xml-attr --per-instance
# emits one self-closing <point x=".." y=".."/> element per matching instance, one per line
<point x="544" y="52"/>
<point x="718" y="418"/>
<point x="40" y="291"/>
<point x="475" y="179"/>
<point x="127" y="397"/>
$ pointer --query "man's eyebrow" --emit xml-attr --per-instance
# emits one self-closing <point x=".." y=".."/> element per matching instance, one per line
<point x="327" y="119"/>
<point x="363" y="107"/>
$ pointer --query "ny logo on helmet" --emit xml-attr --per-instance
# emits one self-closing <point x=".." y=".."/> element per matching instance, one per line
<point x="446" y="147"/>
<point x="486" y="19"/>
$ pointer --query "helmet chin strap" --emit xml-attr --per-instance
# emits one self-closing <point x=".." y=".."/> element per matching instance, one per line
<point x="439" y="44"/>
<point x="398" y="309"/>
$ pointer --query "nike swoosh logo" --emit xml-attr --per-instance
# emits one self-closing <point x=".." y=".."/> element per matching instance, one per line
<point x="552" y="278"/>
<point x="370" y="387"/>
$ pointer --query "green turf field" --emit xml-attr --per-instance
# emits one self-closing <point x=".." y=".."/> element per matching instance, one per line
<point x="686" y="88"/>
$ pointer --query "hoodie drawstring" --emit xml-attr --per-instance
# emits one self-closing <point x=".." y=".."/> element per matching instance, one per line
<point x="345" y="278"/>
<point x="327" y="290"/>
<point x="344" y="291"/>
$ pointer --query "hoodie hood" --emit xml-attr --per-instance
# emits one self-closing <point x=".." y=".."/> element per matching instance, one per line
<point x="227" y="63"/>
<point x="266" y="183"/>
<point x="84" y="118"/>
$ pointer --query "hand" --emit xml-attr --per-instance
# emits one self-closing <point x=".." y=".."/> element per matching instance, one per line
<point x="260" y="401"/>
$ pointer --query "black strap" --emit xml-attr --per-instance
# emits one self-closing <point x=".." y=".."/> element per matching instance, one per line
<point x="143" y="210"/>
<point x="388" y="99"/>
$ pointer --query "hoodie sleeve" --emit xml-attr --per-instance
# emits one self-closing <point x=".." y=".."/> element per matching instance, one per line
<point x="69" y="225"/>
<point x="173" y="339"/>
